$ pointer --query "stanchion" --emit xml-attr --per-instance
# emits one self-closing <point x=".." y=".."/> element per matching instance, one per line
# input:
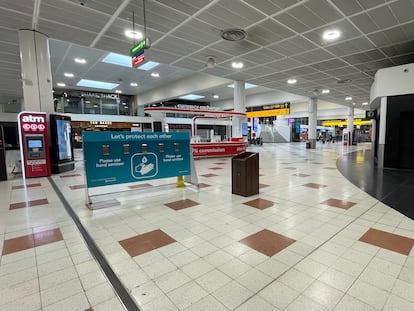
<point x="180" y="182"/>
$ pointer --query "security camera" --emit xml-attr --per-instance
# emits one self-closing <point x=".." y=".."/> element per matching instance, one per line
<point x="211" y="62"/>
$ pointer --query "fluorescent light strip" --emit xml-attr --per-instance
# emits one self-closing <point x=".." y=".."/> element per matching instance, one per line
<point x="246" y="85"/>
<point x="191" y="97"/>
<point x="118" y="59"/>
<point x="148" y="65"/>
<point x="97" y="84"/>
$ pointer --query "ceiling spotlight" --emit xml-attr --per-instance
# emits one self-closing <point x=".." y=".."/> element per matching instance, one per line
<point x="61" y="84"/>
<point x="211" y="62"/>
<point x="354" y="104"/>
<point x="133" y="84"/>
<point x="348" y="98"/>
<point x="133" y="34"/>
<point x="237" y="65"/>
<point x="364" y="104"/>
<point x="68" y="74"/>
<point x="330" y="35"/>
<point x="215" y="96"/>
<point x="291" y="81"/>
<point x="325" y="91"/>
<point x="80" y="60"/>
<point x="118" y="91"/>
<point x="155" y="74"/>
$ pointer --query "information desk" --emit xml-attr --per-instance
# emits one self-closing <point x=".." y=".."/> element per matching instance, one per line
<point x="217" y="149"/>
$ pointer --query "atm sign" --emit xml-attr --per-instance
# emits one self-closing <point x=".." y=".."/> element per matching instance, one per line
<point x="33" y="123"/>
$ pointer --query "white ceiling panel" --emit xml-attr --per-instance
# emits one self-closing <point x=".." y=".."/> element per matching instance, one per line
<point x="351" y="46"/>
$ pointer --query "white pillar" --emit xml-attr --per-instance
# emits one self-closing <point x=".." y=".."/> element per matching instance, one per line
<point x="239" y="106"/>
<point x="382" y="132"/>
<point x="36" y="72"/>
<point x="350" y="126"/>
<point x="312" y="109"/>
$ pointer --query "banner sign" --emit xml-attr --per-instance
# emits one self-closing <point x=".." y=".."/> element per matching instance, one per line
<point x="123" y="157"/>
<point x="218" y="149"/>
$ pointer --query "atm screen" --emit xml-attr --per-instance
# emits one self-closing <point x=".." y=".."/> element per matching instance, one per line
<point x="34" y="143"/>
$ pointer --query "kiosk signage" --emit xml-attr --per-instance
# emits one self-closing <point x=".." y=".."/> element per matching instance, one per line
<point x="34" y="146"/>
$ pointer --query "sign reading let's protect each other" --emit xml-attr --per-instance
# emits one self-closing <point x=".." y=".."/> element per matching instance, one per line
<point x="123" y="157"/>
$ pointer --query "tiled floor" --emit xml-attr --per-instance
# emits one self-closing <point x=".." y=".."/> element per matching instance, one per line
<point x="310" y="240"/>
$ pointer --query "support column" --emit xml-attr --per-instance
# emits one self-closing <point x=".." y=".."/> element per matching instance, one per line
<point x="350" y="126"/>
<point x="239" y="106"/>
<point x="36" y="72"/>
<point x="382" y="132"/>
<point x="312" y="109"/>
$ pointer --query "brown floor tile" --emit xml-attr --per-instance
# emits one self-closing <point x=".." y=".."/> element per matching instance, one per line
<point x="89" y="309"/>
<point x="209" y="175"/>
<point x="338" y="203"/>
<point x="314" y="185"/>
<point x="46" y="237"/>
<point x="146" y="185"/>
<point x="27" y="186"/>
<point x="103" y="204"/>
<point x="28" y="204"/>
<point x="263" y="186"/>
<point x="203" y="185"/>
<point x="181" y="204"/>
<point x="220" y="163"/>
<point x="76" y="187"/>
<point x="317" y="163"/>
<point x="260" y="203"/>
<point x="267" y="242"/>
<point x="70" y="175"/>
<point x="329" y="168"/>
<point x="18" y="244"/>
<point x="387" y="240"/>
<point x="215" y="168"/>
<point x="146" y="242"/>
<point x="290" y="168"/>
<point x="301" y="175"/>
<point x="286" y="163"/>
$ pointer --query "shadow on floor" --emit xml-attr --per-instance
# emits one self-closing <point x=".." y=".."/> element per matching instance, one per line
<point x="392" y="187"/>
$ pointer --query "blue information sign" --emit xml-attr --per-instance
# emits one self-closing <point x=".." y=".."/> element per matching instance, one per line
<point x="122" y="157"/>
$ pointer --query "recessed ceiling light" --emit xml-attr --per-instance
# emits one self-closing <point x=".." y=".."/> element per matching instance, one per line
<point x="133" y="34"/>
<point x="348" y="98"/>
<point x="148" y="65"/>
<point x="97" y="84"/>
<point x="237" y="65"/>
<point x="118" y="59"/>
<point x="354" y="104"/>
<point x="68" y="74"/>
<point x="155" y="74"/>
<point x="191" y="97"/>
<point x="133" y="84"/>
<point x="118" y="91"/>
<point x="364" y="103"/>
<point x="80" y="60"/>
<point x="215" y="96"/>
<point x="331" y="34"/>
<point x="325" y="91"/>
<point x="61" y="84"/>
<point x="291" y="81"/>
<point x="246" y="85"/>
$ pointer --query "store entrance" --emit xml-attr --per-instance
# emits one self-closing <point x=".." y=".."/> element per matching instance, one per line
<point x="406" y="148"/>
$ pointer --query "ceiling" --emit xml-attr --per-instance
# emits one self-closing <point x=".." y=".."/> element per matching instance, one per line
<point x="284" y="40"/>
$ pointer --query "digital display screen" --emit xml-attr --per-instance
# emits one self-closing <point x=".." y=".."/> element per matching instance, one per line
<point x="245" y="129"/>
<point x="255" y="124"/>
<point x="34" y="143"/>
<point x="64" y="134"/>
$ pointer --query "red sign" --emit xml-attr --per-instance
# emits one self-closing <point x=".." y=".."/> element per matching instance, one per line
<point x="138" y="60"/>
<point x="218" y="149"/>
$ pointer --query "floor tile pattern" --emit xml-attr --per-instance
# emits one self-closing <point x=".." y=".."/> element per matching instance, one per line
<point x="77" y="187"/>
<point x="28" y="204"/>
<point x="27" y="186"/>
<point x="181" y="204"/>
<point x="338" y="203"/>
<point x="259" y="203"/>
<point x="387" y="240"/>
<point x="263" y="186"/>
<point x="314" y="185"/>
<point x="267" y="242"/>
<point x="301" y="175"/>
<point x="209" y="175"/>
<point x="146" y="242"/>
<point x="70" y="175"/>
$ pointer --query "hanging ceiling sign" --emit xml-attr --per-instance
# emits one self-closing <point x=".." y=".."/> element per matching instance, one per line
<point x="137" y="53"/>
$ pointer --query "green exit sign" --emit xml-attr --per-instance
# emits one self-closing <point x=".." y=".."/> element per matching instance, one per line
<point x="139" y="46"/>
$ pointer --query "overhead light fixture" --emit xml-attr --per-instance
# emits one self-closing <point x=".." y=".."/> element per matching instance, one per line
<point x="97" y="84"/>
<point x="133" y="84"/>
<point x="331" y="34"/>
<point x="348" y="98"/>
<point x="118" y="91"/>
<point x="325" y="91"/>
<point x="246" y="85"/>
<point x="68" y="74"/>
<point x="133" y="34"/>
<point x="61" y="84"/>
<point x="80" y="60"/>
<point x="191" y="97"/>
<point x="237" y="65"/>
<point x="118" y="59"/>
<point x="148" y="65"/>
<point x="211" y="62"/>
<point x="155" y="74"/>
<point x="364" y="104"/>
<point x="291" y="81"/>
<point x="215" y="96"/>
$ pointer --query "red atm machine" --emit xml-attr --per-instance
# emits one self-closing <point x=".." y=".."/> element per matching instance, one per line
<point x="34" y="145"/>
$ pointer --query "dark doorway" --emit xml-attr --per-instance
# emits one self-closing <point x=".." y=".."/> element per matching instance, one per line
<point x="406" y="148"/>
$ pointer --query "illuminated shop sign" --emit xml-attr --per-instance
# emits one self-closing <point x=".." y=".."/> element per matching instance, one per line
<point x="33" y="123"/>
<point x="196" y="107"/>
<point x="268" y="113"/>
<point x="343" y="123"/>
<point x="100" y="95"/>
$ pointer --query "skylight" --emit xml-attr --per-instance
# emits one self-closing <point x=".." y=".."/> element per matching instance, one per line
<point x="246" y="85"/>
<point x="118" y="59"/>
<point x="191" y="97"/>
<point x="97" y="84"/>
<point x="148" y="65"/>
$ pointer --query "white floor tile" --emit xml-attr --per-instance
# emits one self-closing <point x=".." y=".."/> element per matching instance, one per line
<point x="232" y="295"/>
<point x="369" y="294"/>
<point x="187" y="295"/>
<point x="172" y="280"/>
<point x="257" y="303"/>
<point x="350" y="303"/>
<point x="279" y="295"/>
<point x="323" y="294"/>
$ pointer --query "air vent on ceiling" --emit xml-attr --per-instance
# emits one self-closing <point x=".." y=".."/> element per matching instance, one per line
<point x="344" y="81"/>
<point x="233" y="34"/>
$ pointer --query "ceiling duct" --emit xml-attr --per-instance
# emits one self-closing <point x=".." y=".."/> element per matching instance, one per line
<point x="233" y="34"/>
